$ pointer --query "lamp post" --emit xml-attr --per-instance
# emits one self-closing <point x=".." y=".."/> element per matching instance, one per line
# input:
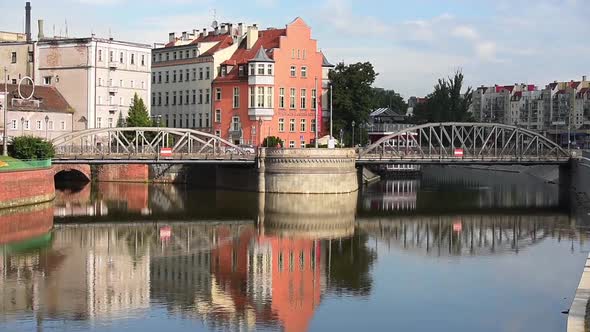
<point x="5" y="111"/>
<point x="331" y="88"/>
<point x="316" y="113"/>
<point x="46" y="127"/>
<point x="22" y="126"/>
<point x="353" y="123"/>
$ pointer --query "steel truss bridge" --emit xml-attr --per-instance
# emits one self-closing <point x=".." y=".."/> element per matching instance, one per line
<point x="432" y="143"/>
<point x="463" y="143"/>
<point x="145" y="145"/>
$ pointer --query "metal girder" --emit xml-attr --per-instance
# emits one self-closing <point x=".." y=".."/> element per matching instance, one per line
<point x="143" y="141"/>
<point x="489" y="141"/>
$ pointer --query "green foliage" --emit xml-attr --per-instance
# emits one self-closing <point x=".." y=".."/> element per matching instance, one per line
<point x="138" y="115"/>
<point x="446" y="103"/>
<point x="389" y="98"/>
<point x="29" y="147"/>
<point x="352" y="94"/>
<point x="272" y="142"/>
<point x="121" y="121"/>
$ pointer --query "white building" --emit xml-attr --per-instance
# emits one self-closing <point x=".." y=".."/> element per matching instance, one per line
<point x="98" y="77"/>
<point x="182" y="73"/>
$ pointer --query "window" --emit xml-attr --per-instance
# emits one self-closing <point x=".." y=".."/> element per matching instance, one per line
<point x="13" y="124"/>
<point x="217" y="93"/>
<point x="207" y="96"/>
<point x="174" y="120"/>
<point x="167" y="120"/>
<point x="132" y="58"/>
<point x="236" y="99"/>
<point x="218" y="116"/>
<point x="173" y="97"/>
<point x="252" y="97"/>
<point x="167" y="94"/>
<point x="180" y="76"/>
<point x="143" y="59"/>
<point x="303" y="98"/>
<point x="99" y="81"/>
<point x="200" y="96"/>
<point x="293" y="53"/>
<point x="160" y="59"/>
<point x="174" y="58"/>
<point x="252" y="69"/>
<point x="303" y="71"/>
<point x="235" y="123"/>
<point x="194" y="53"/>
<point x="132" y="84"/>
<point x="313" y="98"/>
<point x="292" y="144"/>
<point x="50" y="125"/>
<point x="110" y="122"/>
<point x="303" y="123"/>
<point x="200" y="73"/>
<point x="303" y="144"/>
<point x="261" y="69"/>
<point x="111" y="56"/>
<point x="269" y="97"/>
<point x="153" y="98"/>
<point x="269" y="69"/>
<point x="186" y="120"/>
<point x="167" y="77"/>
<point x="304" y="54"/>
<point x="121" y="58"/>
<point x="260" y="97"/>
<point x="31" y="56"/>
<point x="179" y="97"/>
<point x="218" y="133"/>
<point x="298" y="54"/>
<point x="187" y="98"/>
<point x="39" y="127"/>
<point x="159" y="99"/>
<point x="47" y="80"/>
<point x="194" y="97"/>
<point x="186" y="74"/>
<point x="292" y="99"/>
<point x="13" y="57"/>
<point x="187" y="54"/>
<point x="159" y="77"/>
<point x="98" y="122"/>
<point x="100" y="55"/>
<point x="293" y="71"/>
<point x="142" y="84"/>
<point x="167" y="59"/>
<point x="63" y="125"/>
<point x="173" y="76"/>
<point x="281" y="125"/>
<point x="281" y="97"/>
<point x="194" y="74"/>
<point x="153" y="78"/>
<point x="193" y="116"/>
<point x="292" y="125"/>
<point x="207" y="73"/>
<point x="121" y="83"/>
<point x="200" y="119"/>
<point x="312" y="126"/>
<point x="241" y="71"/>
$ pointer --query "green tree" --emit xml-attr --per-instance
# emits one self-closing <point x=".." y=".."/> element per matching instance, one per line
<point x="138" y="115"/>
<point x="352" y="95"/>
<point x="272" y="142"/>
<point x="29" y="147"/>
<point x="389" y="98"/>
<point x="121" y="121"/>
<point x="446" y="103"/>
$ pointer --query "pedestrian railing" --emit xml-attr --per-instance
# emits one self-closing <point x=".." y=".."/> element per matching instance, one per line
<point x="10" y="165"/>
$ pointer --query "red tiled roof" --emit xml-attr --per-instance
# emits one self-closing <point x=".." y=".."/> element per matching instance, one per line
<point x="574" y="84"/>
<point x="49" y="98"/>
<point x="508" y="88"/>
<point x="268" y="39"/>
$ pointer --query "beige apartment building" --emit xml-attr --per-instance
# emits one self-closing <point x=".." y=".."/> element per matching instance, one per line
<point x="98" y="77"/>
<point x="18" y="57"/>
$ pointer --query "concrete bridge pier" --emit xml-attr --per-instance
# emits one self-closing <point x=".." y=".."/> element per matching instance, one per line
<point x="565" y="184"/>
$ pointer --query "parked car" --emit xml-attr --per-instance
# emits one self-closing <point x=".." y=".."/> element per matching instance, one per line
<point x="247" y="148"/>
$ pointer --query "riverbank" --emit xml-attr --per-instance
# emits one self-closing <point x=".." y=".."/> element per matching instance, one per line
<point x="25" y="182"/>
<point x="578" y="316"/>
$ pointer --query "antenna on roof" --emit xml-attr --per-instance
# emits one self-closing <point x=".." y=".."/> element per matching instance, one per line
<point x="66" y="27"/>
<point x="214" y="24"/>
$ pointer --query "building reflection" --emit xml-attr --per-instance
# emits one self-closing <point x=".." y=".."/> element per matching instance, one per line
<point x="392" y="195"/>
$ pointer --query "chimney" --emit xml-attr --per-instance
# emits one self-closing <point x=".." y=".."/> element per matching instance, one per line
<point x="40" y="25"/>
<point x="171" y="37"/>
<point x="216" y="30"/>
<point x="184" y="35"/>
<point x="584" y="78"/>
<point x="230" y="29"/>
<point x="251" y="36"/>
<point x="240" y="29"/>
<point x="28" y="21"/>
<point x="204" y="32"/>
<point x="222" y="31"/>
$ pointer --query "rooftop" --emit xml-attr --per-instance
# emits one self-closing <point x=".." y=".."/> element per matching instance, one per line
<point x="45" y="99"/>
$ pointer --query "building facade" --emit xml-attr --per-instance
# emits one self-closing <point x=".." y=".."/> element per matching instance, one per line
<point x="46" y="114"/>
<point x="182" y="73"/>
<point x="270" y="87"/>
<point x="98" y="77"/>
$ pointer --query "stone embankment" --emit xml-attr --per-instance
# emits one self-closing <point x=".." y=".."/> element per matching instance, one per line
<point x="26" y="187"/>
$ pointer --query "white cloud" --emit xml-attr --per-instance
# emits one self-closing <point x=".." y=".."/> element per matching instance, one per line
<point x="465" y="32"/>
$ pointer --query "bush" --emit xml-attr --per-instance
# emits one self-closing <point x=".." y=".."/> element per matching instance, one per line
<point x="272" y="142"/>
<point x="29" y="147"/>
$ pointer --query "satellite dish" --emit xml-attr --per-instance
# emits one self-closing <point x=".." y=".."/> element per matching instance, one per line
<point x="214" y="24"/>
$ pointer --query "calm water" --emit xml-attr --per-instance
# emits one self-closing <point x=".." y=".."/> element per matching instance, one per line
<point x="453" y="250"/>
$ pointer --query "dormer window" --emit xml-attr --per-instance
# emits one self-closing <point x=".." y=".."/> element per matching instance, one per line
<point x="240" y="70"/>
<point x="223" y="71"/>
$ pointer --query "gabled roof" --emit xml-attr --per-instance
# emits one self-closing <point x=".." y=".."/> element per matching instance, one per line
<point x="325" y="62"/>
<point x="261" y="56"/>
<point x="50" y="100"/>
<point x="223" y="43"/>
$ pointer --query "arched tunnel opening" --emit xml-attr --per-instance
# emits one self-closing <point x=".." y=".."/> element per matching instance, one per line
<point x="72" y="180"/>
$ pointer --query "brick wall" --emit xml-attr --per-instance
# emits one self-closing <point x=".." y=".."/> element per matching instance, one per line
<point x="122" y="173"/>
<point x="26" y="187"/>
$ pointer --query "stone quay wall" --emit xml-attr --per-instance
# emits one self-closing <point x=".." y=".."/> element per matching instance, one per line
<point x="20" y="188"/>
<point x="307" y="171"/>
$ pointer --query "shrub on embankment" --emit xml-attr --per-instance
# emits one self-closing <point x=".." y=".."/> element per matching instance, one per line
<point x="29" y="147"/>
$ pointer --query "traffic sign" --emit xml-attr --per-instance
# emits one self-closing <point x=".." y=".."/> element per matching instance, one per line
<point x="458" y="152"/>
<point x="166" y="152"/>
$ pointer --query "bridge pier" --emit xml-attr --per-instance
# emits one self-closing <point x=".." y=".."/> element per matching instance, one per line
<point x="121" y="173"/>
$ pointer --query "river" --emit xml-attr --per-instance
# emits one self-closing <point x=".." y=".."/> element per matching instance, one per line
<point x="455" y="249"/>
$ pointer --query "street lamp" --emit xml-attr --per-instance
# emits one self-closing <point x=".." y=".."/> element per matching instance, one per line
<point x="353" y="123"/>
<point x="46" y="127"/>
<point x="22" y="126"/>
<point x="316" y="113"/>
<point x="331" y="88"/>
<point x="5" y="111"/>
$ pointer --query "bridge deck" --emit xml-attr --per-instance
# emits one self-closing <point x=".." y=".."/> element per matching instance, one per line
<point x="155" y="159"/>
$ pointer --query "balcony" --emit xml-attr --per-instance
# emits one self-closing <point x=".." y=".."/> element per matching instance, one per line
<point x="113" y="65"/>
<point x="261" y="80"/>
<point x="256" y="113"/>
<point x="113" y="89"/>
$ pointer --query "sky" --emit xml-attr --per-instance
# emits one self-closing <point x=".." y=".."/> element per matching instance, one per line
<point x="410" y="43"/>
